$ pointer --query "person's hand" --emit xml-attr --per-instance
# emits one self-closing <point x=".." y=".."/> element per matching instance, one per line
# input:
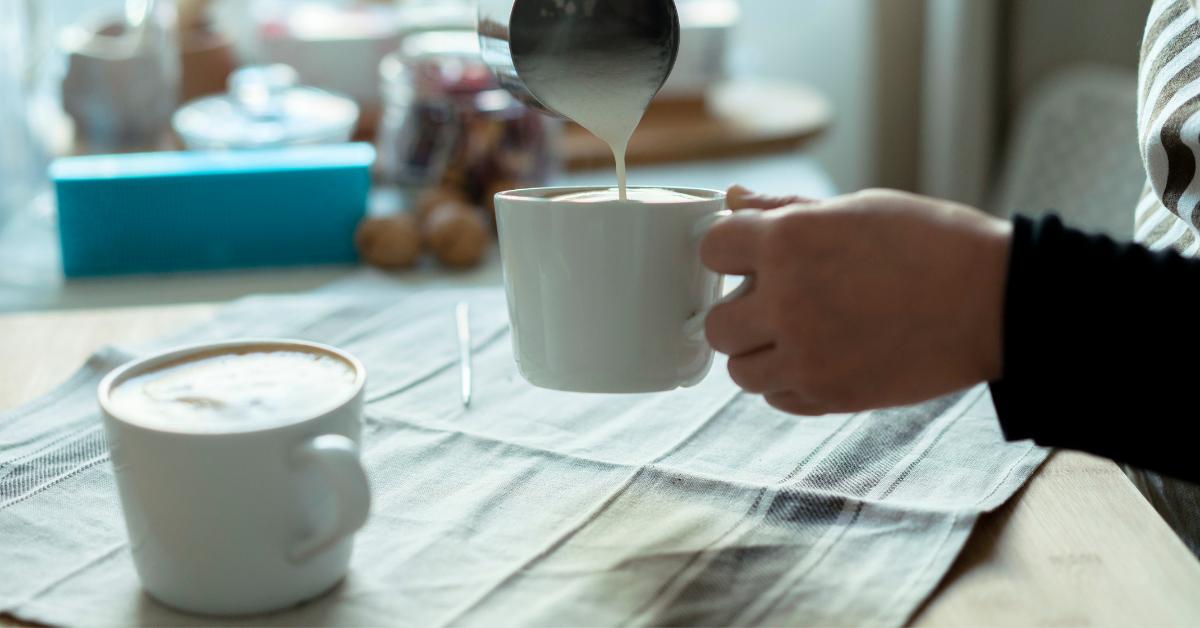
<point x="869" y="300"/>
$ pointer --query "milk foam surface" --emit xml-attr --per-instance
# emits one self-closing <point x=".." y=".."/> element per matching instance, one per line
<point x="637" y="195"/>
<point x="233" y="388"/>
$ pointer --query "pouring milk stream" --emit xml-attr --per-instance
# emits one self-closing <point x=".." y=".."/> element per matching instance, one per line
<point x="597" y="62"/>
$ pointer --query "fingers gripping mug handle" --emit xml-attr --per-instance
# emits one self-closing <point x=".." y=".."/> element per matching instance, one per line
<point x="337" y="458"/>
<point x="693" y="328"/>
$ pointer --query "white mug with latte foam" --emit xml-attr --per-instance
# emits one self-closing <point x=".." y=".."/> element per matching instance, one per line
<point x="238" y="469"/>
<point x="604" y="295"/>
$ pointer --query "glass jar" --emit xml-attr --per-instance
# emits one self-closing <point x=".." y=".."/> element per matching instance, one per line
<point x="122" y="76"/>
<point x="447" y="123"/>
<point x="29" y="250"/>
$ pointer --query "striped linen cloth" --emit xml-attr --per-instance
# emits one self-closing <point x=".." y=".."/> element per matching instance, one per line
<point x="1168" y="214"/>
<point x="701" y="506"/>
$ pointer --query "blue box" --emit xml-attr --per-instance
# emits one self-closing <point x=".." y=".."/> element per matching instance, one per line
<point x="158" y="212"/>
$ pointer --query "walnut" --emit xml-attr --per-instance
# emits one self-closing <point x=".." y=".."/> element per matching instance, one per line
<point x="388" y="242"/>
<point x="456" y="234"/>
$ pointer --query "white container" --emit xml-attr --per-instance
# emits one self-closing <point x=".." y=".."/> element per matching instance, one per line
<point x="266" y="108"/>
<point x="704" y="30"/>
<point x="334" y="46"/>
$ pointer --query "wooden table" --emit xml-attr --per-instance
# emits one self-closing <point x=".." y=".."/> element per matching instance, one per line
<point x="1077" y="546"/>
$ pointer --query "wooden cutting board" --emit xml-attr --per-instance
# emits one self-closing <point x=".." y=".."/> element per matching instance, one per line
<point x="735" y="119"/>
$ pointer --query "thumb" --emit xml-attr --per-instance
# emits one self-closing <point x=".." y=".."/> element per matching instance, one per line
<point x="739" y="197"/>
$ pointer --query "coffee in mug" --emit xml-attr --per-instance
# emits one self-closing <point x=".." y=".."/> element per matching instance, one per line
<point x="256" y="384"/>
<point x="636" y="195"/>
<point x="238" y="470"/>
<point x="606" y="295"/>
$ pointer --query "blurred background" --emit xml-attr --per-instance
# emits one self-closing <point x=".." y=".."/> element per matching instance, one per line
<point x="930" y="95"/>
<point x="973" y="100"/>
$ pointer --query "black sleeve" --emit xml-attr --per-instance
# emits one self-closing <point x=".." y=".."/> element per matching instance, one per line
<point x="1100" y="348"/>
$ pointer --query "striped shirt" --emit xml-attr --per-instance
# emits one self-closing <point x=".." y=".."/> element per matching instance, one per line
<point x="1168" y="214"/>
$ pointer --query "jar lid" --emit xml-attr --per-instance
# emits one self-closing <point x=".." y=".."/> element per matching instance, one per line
<point x="265" y="107"/>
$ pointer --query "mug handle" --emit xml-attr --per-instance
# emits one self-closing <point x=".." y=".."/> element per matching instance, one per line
<point x="693" y="328"/>
<point x="337" y="457"/>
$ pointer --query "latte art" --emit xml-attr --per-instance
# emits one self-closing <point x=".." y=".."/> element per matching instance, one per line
<point x="246" y="386"/>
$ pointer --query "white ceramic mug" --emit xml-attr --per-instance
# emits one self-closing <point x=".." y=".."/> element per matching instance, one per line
<point x="244" y="520"/>
<point x="607" y="297"/>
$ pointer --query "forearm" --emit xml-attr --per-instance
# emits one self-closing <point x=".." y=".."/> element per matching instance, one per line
<point x="1097" y="350"/>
